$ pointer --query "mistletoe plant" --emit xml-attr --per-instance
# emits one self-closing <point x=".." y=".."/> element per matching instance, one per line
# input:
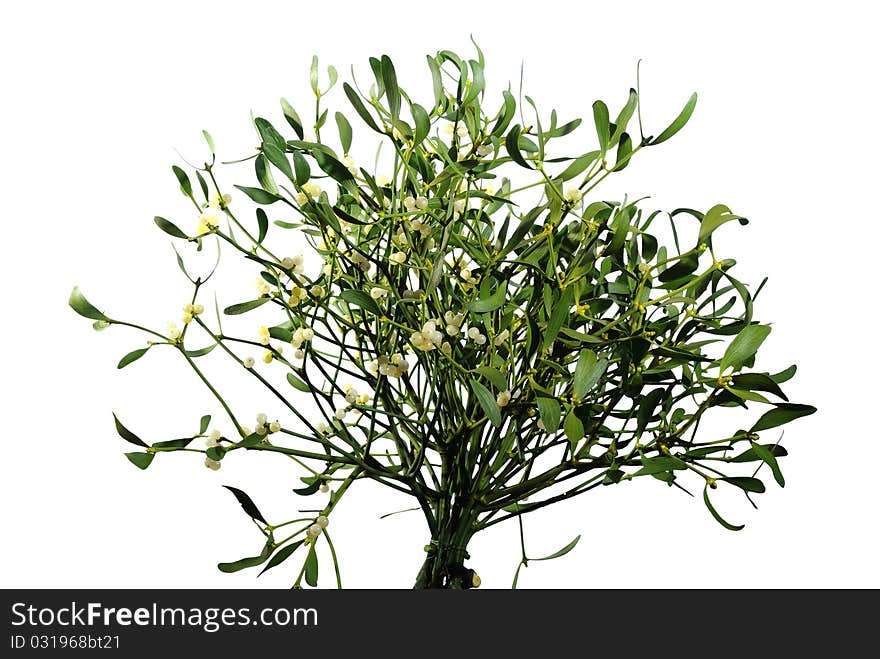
<point x="482" y="333"/>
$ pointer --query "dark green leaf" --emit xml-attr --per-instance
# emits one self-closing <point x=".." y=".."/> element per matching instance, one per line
<point x="511" y="143"/>
<point x="359" y="107"/>
<point x="292" y="117"/>
<point x="247" y="504"/>
<point x="301" y="168"/>
<point x="262" y="225"/>
<point x="782" y="414"/>
<point x="133" y="356"/>
<point x="259" y="195"/>
<point x="203" y="423"/>
<point x="421" y="121"/>
<point x="278" y="158"/>
<point x="332" y="166"/>
<point x="746" y="483"/>
<point x="392" y="93"/>
<point x="361" y="299"/>
<point x="758" y="382"/>
<point x="183" y="179"/>
<point x="128" y="435"/>
<point x="718" y="518"/>
<point x="749" y="455"/>
<point x="244" y="307"/>
<point x="282" y="555"/>
<point x="252" y="561"/>
<point x="201" y="352"/>
<point x="268" y="134"/>
<point x="83" y="307"/>
<point x="140" y="460"/>
<point x="170" y="228"/>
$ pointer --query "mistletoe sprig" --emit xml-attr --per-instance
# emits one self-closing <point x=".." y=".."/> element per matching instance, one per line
<point x="483" y="333"/>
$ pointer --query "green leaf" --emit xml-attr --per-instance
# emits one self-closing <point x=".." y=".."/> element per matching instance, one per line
<point x="360" y="108"/>
<point x="332" y="166"/>
<point x="244" y="307"/>
<point x="683" y="267"/>
<point x="259" y="195"/>
<point x="511" y="143"/>
<point x="209" y="140"/>
<point x="658" y="465"/>
<point x="296" y="383"/>
<point x="392" y="93"/>
<point x="313" y="74"/>
<point x="493" y="375"/>
<point x="603" y="127"/>
<point x="282" y="555"/>
<point x="758" y="382"/>
<point x="268" y="134"/>
<point x="550" y="413"/>
<point x="172" y="444"/>
<point x="278" y="158"/>
<point x="487" y="402"/>
<point x="311" y="567"/>
<point x="128" y="435"/>
<point x="562" y="552"/>
<point x="718" y="518"/>
<point x="679" y="122"/>
<point x="361" y="299"/>
<point x="578" y="165"/>
<point x="83" y="307"/>
<point x="714" y="218"/>
<point x="625" y="115"/>
<point x="169" y="227"/>
<point x="770" y="459"/>
<point x="292" y="117"/>
<point x="133" y="356"/>
<point x="344" y="131"/>
<point x="624" y="149"/>
<point x="203" y="423"/>
<point x="588" y="372"/>
<point x="744" y="346"/>
<point x="301" y="168"/>
<point x="749" y="455"/>
<point x="140" y="460"/>
<point x="422" y="123"/>
<point x="251" y="561"/>
<point x="782" y="414"/>
<point x="201" y="352"/>
<point x="646" y="409"/>
<point x="247" y="504"/>
<point x="746" y="483"/>
<point x="262" y="225"/>
<point x="785" y="375"/>
<point x="748" y="395"/>
<point x="573" y="428"/>
<point x="561" y="313"/>
<point x="490" y="303"/>
<point x="183" y="179"/>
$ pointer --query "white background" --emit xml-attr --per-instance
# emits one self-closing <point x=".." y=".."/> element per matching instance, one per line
<point x="96" y="98"/>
